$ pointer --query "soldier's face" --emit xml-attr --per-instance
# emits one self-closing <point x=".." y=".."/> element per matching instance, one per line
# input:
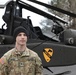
<point x="21" y="38"/>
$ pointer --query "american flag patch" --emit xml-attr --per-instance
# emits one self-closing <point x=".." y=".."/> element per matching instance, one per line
<point x="1" y="60"/>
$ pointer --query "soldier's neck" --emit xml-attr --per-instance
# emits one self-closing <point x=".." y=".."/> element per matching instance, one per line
<point x="20" y="48"/>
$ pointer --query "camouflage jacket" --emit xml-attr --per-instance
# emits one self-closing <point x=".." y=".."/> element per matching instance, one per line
<point x="15" y="63"/>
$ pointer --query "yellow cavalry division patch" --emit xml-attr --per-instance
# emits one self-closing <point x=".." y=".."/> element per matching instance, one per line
<point x="47" y="53"/>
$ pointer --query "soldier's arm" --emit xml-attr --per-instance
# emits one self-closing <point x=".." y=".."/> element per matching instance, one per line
<point x="3" y="66"/>
<point x="39" y="67"/>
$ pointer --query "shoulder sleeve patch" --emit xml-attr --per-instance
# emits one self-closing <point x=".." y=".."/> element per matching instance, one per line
<point x="1" y="60"/>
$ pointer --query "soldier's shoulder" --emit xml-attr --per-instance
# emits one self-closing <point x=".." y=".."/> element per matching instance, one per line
<point x="7" y="55"/>
<point x="33" y="52"/>
<point x="35" y="55"/>
<point x="9" y="51"/>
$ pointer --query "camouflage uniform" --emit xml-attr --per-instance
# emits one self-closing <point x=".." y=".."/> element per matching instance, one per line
<point x="15" y="63"/>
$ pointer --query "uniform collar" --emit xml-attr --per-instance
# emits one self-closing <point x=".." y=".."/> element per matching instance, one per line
<point x="25" y="53"/>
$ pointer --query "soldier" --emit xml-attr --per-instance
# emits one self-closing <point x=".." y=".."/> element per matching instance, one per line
<point x="20" y="60"/>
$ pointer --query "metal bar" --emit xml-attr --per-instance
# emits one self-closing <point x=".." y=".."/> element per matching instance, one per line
<point x="54" y="8"/>
<point x="40" y="12"/>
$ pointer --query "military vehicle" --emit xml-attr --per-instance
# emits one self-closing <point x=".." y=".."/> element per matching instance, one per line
<point x="54" y="52"/>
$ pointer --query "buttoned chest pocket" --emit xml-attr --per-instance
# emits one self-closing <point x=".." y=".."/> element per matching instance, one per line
<point x="13" y="62"/>
<point x="13" y="68"/>
<point x="30" y="65"/>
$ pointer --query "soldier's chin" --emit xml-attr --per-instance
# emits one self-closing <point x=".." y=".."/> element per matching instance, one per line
<point x="22" y="44"/>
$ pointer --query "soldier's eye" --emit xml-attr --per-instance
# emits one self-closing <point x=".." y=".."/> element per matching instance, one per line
<point x="24" y="34"/>
<point x="19" y="34"/>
